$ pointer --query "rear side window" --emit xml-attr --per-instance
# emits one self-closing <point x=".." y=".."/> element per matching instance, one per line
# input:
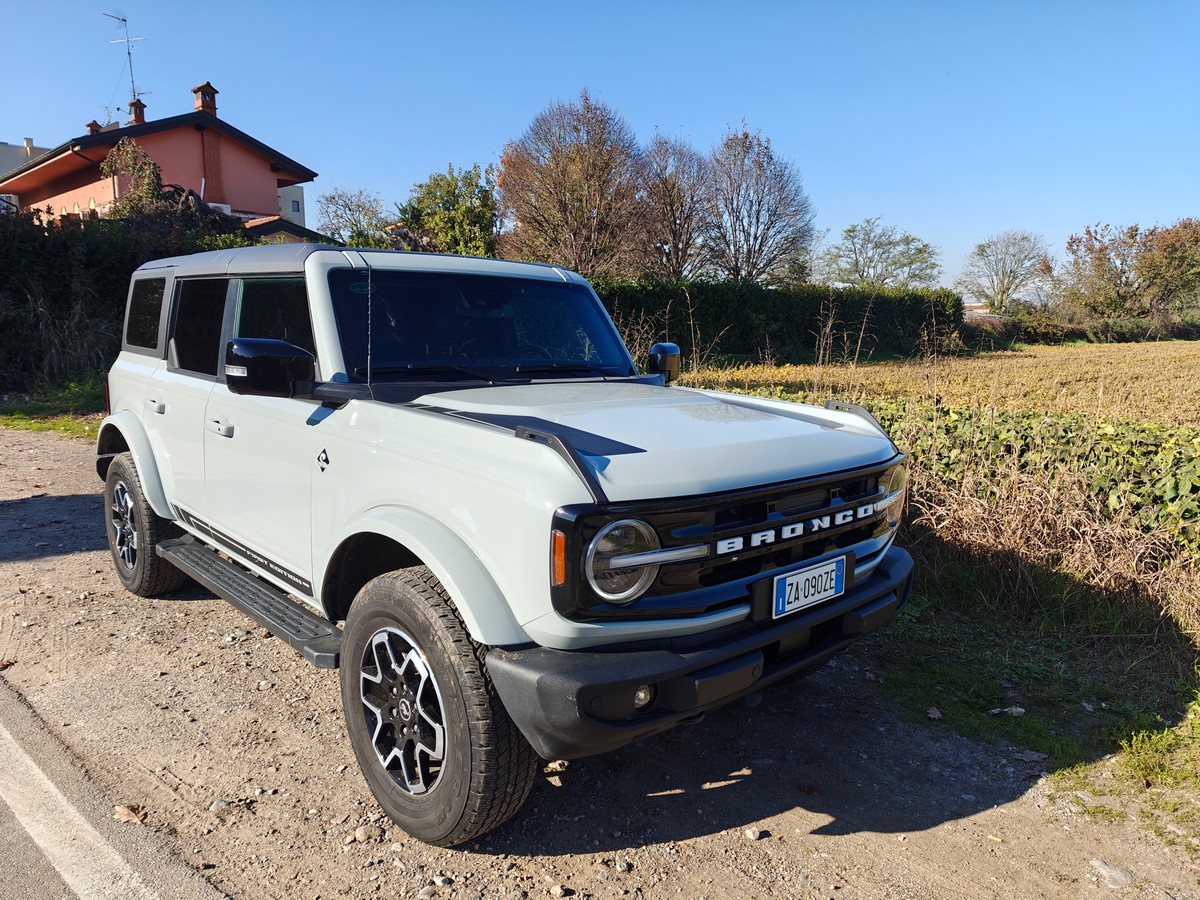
<point x="196" y="336"/>
<point x="145" y="309"/>
<point x="275" y="308"/>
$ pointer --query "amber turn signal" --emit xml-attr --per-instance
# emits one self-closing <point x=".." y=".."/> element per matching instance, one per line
<point x="558" y="559"/>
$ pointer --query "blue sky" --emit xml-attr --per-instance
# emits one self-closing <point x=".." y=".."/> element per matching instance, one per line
<point x="950" y="120"/>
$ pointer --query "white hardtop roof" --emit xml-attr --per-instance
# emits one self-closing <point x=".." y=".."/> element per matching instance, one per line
<point x="290" y="258"/>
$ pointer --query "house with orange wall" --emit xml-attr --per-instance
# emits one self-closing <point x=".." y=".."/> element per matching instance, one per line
<point x="197" y="150"/>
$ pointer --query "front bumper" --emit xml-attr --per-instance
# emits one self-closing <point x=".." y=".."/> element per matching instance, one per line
<point x="575" y="703"/>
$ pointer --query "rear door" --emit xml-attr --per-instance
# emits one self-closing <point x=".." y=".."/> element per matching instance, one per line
<point x="177" y="391"/>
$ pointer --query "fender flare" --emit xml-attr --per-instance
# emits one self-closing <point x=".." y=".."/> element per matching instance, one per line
<point x="134" y="435"/>
<point x="477" y="597"/>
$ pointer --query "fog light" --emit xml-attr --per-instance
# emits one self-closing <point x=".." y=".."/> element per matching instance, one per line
<point x="643" y="696"/>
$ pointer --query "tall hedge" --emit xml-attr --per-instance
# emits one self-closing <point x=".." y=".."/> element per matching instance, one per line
<point x="747" y="320"/>
<point x="63" y="286"/>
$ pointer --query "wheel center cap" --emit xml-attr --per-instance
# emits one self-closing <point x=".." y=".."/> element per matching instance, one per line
<point x="405" y="708"/>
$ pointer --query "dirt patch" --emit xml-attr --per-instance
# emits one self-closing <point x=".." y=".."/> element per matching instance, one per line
<point x="236" y="748"/>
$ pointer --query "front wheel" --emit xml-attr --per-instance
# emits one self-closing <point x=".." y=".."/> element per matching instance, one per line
<point x="134" y="530"/>
<point x="436" y="746"/>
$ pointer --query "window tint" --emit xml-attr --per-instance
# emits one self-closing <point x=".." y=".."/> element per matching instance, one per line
<point x="422" y="318"/>
<point x="543" y="321"/>
<point x="275" y="308"/>
<point x="198" y="315"/>
<point x="145" y="307"/>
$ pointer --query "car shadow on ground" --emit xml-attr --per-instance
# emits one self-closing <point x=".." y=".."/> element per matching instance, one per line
<point x="825" y="747"/>
<point x="48" y="525"/>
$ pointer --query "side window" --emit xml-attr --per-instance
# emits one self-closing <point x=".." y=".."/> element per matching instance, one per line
<point x="275" y="308"/>
<point x="145" y="308"/>
<point x="196" y="336"/>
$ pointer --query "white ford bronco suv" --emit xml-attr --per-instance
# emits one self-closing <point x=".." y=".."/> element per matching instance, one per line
<point x="447" y="476"/>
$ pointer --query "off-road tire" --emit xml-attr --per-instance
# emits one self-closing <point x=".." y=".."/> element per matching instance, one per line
<point x="487" y="768"/>
<point x="134" y="530"/>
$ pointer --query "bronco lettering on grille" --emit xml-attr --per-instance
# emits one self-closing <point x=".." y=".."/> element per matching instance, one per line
<point x="804" y="527"/>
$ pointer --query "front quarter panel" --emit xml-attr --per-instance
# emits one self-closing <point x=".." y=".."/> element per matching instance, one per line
<point x="472" y="502"/>
<point x="477" y="598"/>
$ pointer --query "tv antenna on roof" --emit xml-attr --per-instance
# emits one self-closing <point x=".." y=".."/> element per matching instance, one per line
<point x="128" y="42"/>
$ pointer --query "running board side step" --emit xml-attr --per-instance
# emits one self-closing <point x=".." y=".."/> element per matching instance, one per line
<point x="319" y="640"/>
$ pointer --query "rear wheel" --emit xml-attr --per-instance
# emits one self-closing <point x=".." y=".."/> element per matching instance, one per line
<point x="433" y="740"/>
<point x="134" y="530"/>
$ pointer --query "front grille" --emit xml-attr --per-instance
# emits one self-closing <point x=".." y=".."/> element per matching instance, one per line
<point x="721" y="580"/>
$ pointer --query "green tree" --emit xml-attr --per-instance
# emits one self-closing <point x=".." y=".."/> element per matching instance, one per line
<point x="454" y="212"/>
<point x="1007" y="267"/>
<point x="355" y="218"/>
<point x="1168" y="261"/>
<point x="138" y="179"/>
<point x="175" y="213"/>
<point x="757" y="216"/>
<point x="1131" y="272"/>
<point x="871" y="255"/>
<point x="1102" y="274"/>
<point x="570" y="189"/>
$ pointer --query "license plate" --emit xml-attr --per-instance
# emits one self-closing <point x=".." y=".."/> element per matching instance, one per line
<point x="798" y="590"/>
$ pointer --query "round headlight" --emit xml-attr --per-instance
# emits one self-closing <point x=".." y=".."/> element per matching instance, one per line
<point x="620" y="584"/>
<point x="896" y="484"/>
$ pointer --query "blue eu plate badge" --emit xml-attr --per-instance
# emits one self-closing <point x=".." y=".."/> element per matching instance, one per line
<point x="809" y="586"/>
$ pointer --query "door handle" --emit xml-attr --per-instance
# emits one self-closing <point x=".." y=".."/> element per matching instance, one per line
<point x="156" y="406"/>
<point x="219" y="426"/>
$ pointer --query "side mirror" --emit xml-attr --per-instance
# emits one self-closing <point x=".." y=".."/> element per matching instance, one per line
<point x="664" y="360"/>
<point x="266" y="367"/>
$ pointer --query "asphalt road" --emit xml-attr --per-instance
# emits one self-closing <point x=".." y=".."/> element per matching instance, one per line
<point x="58" y="837"/>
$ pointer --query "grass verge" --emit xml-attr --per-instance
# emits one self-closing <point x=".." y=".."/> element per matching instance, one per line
<point x="74" y="408"/>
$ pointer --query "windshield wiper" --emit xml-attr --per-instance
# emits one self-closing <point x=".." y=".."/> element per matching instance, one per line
<point x="424" y="369"/>
<point x="569" y="367"/>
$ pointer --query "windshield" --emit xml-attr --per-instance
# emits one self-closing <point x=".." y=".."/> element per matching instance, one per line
<point x="443" y="325"/>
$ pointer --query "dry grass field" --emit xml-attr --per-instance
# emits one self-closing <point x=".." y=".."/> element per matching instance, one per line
<point x="1157" y="382"/>
<point x="1054" y="517"/>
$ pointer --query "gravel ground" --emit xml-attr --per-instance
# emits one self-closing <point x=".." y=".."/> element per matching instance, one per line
<point x="237" y="750"/>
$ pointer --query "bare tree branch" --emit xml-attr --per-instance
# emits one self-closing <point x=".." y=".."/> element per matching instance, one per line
<point x="1005" y="266"/>
<point x="570" y="189"/>
<point x="757" y="215"/>
<point x="676" y="186"/>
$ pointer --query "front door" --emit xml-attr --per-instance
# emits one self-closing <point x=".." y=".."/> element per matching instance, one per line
<point x="260" y="452"/>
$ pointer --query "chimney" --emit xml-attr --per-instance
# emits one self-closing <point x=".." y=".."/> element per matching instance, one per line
<point x="137" y="112"/>
<point x="206" y="98"/>
<point x="94" y="127"/>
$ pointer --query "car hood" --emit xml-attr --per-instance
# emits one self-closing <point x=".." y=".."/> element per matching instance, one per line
<point x="643" y="441"/>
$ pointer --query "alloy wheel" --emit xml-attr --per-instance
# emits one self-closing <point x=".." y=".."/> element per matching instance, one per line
<point x="124" y="523"/>
<point x="402" y="706"/>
